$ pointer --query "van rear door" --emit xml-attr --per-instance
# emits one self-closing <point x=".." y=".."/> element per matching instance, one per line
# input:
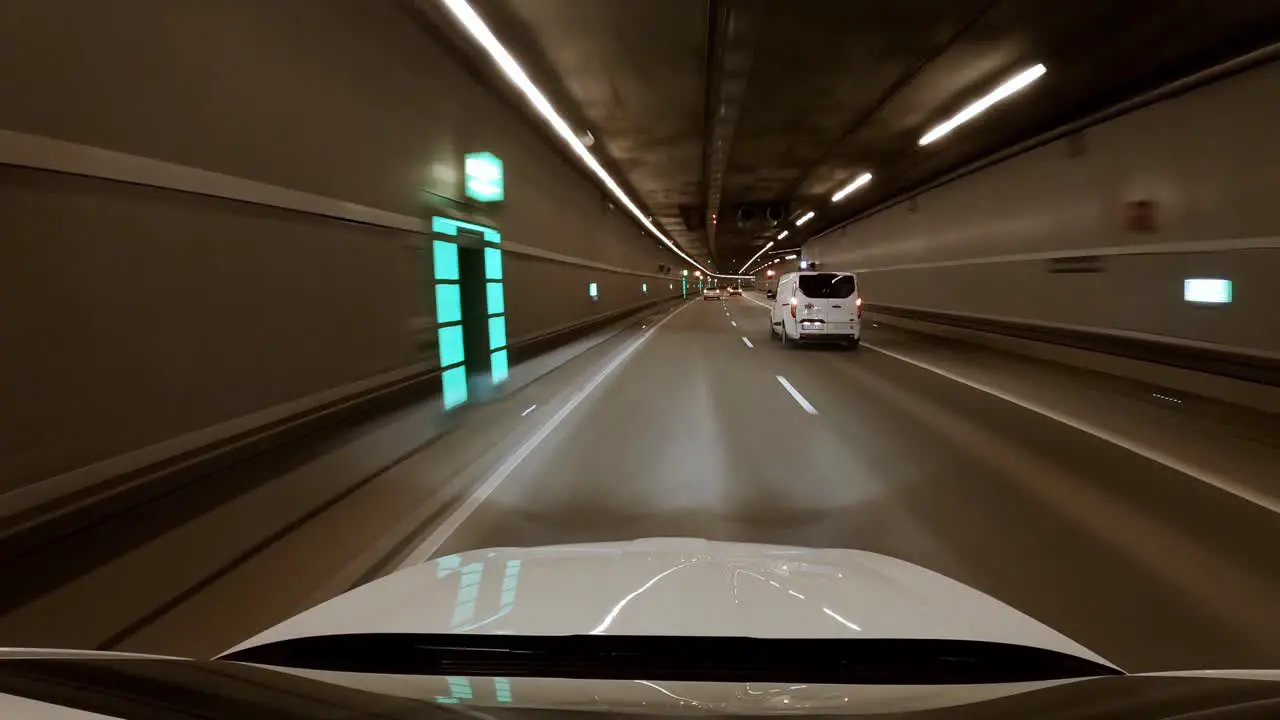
<point x="829" y="297"/>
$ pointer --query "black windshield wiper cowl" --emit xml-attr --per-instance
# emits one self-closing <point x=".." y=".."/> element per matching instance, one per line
<point x="678" y="659"/>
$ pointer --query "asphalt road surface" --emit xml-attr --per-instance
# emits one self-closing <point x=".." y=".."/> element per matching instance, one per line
<point x="696" y="423"/>
<point x="696" y="435"/>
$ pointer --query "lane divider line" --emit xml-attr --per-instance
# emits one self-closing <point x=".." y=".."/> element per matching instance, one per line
<point x="797" y="396"/>
<point x="1146" y="451"/>
<point x="528" y="410"/>
<point x="459" y="514"/>
<point x="1202" y="474"/>
<point x="733" y="323"/>
<point x="748" y="342"/>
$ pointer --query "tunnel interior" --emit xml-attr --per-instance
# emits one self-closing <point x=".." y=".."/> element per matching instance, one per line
<point x="302" y="298"/>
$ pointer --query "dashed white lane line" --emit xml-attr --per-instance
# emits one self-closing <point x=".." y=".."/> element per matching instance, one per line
<point x="1202" y="474"/>
<point x="459" y="515"/>
<point x="733" y="323"/>
<point x="797" y="396"/>
<point x="528" y="410"/>
<point x="748" y="342"/>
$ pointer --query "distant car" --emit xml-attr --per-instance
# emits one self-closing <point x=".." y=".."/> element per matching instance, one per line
<point x="711" y="294"/>
<point x="771" y="293"/>
<point x="735" y="291"/>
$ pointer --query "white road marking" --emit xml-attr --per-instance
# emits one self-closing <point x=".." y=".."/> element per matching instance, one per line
<point x="733" y="323"/>
<point x="763" y="305"/>
<point x="1145" y="451"/>
<point x="798" y="397"/>
<point x="459" y="515"/>
<point x="748" y="342"/>
<point x="528" y="410"/>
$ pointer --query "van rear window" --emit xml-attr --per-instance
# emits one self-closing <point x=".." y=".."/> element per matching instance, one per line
<point x="827" y="285"/>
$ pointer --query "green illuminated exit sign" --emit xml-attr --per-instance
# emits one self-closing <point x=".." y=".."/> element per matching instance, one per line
<point x="484" y="177"/>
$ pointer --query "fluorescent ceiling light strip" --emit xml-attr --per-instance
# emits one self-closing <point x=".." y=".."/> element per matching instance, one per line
<point x="1009" y="87"/>
<point x="805" y="218"/>
<point x="466" y="15"/>
<point x="783" y="234"/>
<point x="753" y="257"/>
<point x="858" y="182"/>
<point x="762" y="266"/>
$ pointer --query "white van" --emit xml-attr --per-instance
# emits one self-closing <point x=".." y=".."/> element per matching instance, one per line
<point x="818" y="306"/>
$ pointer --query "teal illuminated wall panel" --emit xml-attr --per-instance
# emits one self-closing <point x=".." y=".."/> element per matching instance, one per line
<point x="497" y="332"/>
<point x="448" y="292"/>
<point x="449" y="310"/>
<point x="451" y="348"/>
<point x="444" y="257"/>
<point x="448" y="303"/>
<point x="449" y="226"/>
<point x="454" y="386"/>
<point x="492" y="264"/>
<point x="498" y="365"/>
<point x="494" y="298"/>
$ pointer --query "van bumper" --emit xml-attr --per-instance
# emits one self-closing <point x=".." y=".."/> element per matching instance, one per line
<point x="828" y="337"/>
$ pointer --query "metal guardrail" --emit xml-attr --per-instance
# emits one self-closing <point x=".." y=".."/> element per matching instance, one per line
<point x="1224" y="363"/>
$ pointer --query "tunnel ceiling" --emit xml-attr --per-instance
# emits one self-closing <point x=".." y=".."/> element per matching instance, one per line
<point x="803" y="95"/>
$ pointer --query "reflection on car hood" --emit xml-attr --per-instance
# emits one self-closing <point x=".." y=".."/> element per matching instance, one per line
<point x="674" y="586"/>
<point x="655" y="587"/>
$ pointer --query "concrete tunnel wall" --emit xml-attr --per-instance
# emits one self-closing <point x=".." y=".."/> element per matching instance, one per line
<point x="1209" y="162"/>
<point x="135" y="315"/>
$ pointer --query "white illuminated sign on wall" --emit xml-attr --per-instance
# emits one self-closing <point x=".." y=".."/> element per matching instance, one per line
<point x="1210" y="291"/>
<point x="484" y="177"/>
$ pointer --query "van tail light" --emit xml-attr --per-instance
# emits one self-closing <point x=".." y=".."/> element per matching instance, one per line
<point x="793" y="306"/>
<point x="859" y="304"/>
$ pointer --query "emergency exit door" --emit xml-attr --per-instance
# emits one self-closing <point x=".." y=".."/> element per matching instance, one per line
<point x="471" y="323"/>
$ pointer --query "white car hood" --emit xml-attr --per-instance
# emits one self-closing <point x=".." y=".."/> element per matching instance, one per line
<point x="673" y="586"/>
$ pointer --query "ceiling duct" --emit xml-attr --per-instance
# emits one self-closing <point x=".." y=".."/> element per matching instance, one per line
<point x="758" y="217"/>
<point x="734" y="29"/>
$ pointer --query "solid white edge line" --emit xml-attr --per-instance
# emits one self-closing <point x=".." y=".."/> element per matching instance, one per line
<point x="1150" y="453"/>
<point x="1145" y="451"/>
<point x="797" y="396"/>
<point x="460" y="514"/>
<point x="748" y="343"/>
